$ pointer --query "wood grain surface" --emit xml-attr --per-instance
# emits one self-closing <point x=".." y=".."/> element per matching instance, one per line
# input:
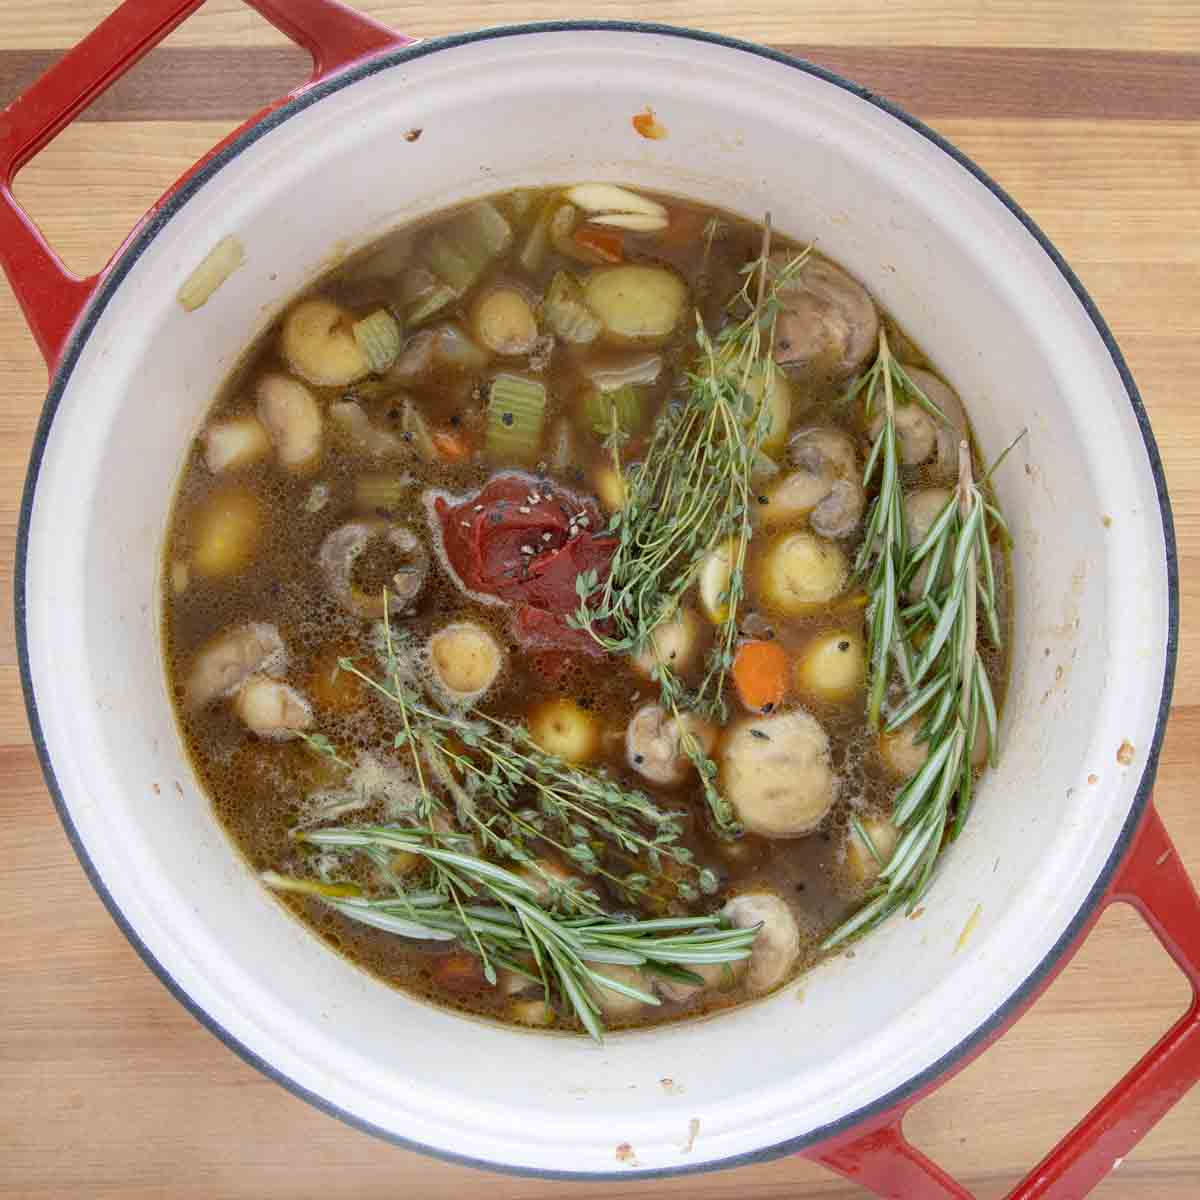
<point x="1089" y="113"/>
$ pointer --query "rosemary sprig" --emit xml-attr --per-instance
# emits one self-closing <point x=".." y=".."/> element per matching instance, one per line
<point x="948" y="686"/>
<point x="884" y="552"/>
<point x="497" y="915"/>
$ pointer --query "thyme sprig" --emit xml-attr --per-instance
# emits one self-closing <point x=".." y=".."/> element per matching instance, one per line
<point x="691" y="492"/>
<point x="510" y="792"/>
<point x="499" y="916"/>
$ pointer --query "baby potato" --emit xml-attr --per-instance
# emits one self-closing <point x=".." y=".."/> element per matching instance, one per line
<point x="466" y="659"/>
<point x="862" y="864"/>
<point x="504" y="322"/>
<point x="226" y="532"/>
<point x="234" y="443"/>
<point x="317" y="341"/>
<point x="716" y="574"/>
<point x="833" y="667"/>
<point x="778" y="395"/>
<point x="801" y="572"/>
<point x="527" y="1011"/>
<point x="293" y="420"/>
<point x="636" y="303"/>
<point x="610" y="488"/>
<point x="560" y="727"/>
<point x="673" y="643"/>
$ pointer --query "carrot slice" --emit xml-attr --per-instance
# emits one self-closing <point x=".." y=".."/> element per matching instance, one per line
<point x="453" y="447"/>
<point x="609" y="244"/>
<point x="760" y="674"/>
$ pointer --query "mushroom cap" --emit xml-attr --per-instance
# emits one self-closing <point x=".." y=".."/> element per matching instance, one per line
<point x="271" y="708"/>
<point x="653" y="744"/>
<point x="229" y="659"/>
<point x="342" y="547"/>
<point x="775" y="950"/>
<point x="828" y="458"/>
<point x="828" y="323"/>
<point x="777" y="774"/>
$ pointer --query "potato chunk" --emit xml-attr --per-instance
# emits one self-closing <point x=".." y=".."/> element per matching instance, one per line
<point x="776" y="772"/>
<point x="636" y="303"/>
<point x="562" y="728"/>
<point x="236" y="442"/>
<point x="226" y="532"/>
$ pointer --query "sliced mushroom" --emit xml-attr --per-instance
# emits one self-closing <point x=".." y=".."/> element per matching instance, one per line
<point x="904" y="754"/>
<point x="617" y="1005"/>
<point x="777" y="774"/>
<point x="863" y="861"/>
<point x="826" y="485"/>
<point x="921" y="508"/>
<point x="776" y="948"/>
<point x="721" y="976"/>
<point x="828" y="324"/>
<point x="361" y="433"/>
<point x="952" y="430"/>
<point x="230" y="658"/>
<point x="293" y="421"/>
<point x="654" y="744"/>
<point x="271" y="708"/>
<point x="922" y="436"/>
<point x="342" y="549"/>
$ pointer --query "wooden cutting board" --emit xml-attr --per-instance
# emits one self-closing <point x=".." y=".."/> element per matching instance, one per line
<point x="1088" y="111"/>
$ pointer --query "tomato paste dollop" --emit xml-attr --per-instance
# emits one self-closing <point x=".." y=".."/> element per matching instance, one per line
<point x="525" y="541"/>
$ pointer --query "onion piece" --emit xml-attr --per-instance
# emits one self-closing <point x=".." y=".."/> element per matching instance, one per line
<point x="609" y="198"/>
<point x="637" y="222"/>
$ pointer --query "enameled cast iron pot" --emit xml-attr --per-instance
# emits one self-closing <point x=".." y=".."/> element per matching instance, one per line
<point x="1064" y="825"/>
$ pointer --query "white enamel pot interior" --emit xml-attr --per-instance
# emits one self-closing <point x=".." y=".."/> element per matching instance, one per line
<point x="960" y="268"/>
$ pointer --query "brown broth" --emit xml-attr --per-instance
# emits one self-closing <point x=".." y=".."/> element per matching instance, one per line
<point x="261" y="789"/>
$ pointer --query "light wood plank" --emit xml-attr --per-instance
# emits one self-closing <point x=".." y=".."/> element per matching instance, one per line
<point x="112" y="1090"/>
<point x="1119" y="24"/>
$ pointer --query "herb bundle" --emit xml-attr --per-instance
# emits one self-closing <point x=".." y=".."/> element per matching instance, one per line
<point x="934" y="645"/>
<point x="691" y="492"/>
<point x="501" y="917"/>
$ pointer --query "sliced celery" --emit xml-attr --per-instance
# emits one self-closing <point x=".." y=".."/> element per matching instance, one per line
<point x="599" y="407"/>
<point x="378" y="336"/>
<point x="424" y="295"/>
<point x="516" y="414"/>
<point x="537" y="242"/>
<point x="565" y="312"/>
<point x="453" y="262"/>
<point x="416" y="431"/>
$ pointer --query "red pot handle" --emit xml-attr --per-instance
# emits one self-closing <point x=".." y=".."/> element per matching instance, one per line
<point x="50" y="295"/>
<point x="1154" y="881"/>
